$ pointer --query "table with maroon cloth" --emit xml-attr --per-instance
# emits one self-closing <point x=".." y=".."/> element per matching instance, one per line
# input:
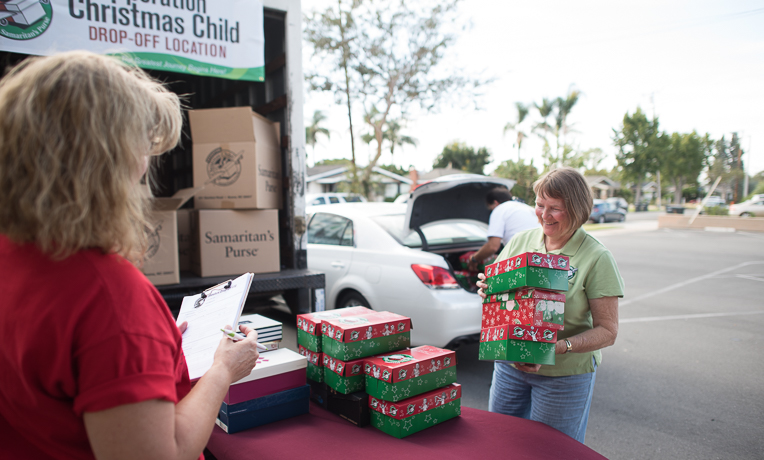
<point x="476" y="433"/>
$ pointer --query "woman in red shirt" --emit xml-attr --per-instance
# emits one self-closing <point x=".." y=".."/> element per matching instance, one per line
<point x="91" y="364"/>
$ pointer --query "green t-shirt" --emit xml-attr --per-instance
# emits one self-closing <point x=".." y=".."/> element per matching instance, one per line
<point x="593" y="274"/>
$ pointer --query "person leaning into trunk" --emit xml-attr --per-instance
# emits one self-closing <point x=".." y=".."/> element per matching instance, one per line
<point x="507" y="218"/>
<point x="90" y="356"/>
<point x="561" y="395"/>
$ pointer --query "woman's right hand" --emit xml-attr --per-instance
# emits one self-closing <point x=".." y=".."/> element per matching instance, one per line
<point x="238" y="358"/>
<point x="481" y="284"/>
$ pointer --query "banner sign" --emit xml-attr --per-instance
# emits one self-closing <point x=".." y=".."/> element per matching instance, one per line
<point x="213" y="38"/>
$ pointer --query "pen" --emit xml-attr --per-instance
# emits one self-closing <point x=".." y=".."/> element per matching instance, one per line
<point x="236" y="336"/>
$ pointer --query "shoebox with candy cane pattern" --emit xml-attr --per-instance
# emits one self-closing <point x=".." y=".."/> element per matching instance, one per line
<point x="344" y="377"/>
<point x="414" y="414"/>
<point x="406" y="373"/>
<point x="309" y="325"/>
<point x="526" y="344"/>
<point x="315" y="369"/>
<point x="528" y="307"/>
<point x="528" y="270"/>
<point x="353" y="337"/>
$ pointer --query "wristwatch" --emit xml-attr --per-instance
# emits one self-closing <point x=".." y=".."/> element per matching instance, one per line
<point x="570" y="347"/>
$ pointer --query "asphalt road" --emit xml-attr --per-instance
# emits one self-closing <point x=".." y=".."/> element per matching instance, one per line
<point x="685" y="379"/>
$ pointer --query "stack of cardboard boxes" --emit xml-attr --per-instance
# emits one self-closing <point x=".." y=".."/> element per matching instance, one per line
<point x="237" y="193"/>
<point x="524" y="308"/>
<point x="274" y="390"/>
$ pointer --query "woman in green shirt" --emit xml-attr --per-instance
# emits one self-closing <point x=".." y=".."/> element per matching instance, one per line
<point x="561" y="395"/>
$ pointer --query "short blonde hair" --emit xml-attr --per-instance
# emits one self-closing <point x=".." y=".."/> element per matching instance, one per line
<point x="570" y="186"/>
<point x="74" y="130"/>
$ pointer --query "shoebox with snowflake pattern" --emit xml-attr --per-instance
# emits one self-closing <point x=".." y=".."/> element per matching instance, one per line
<point x="315" y="369"/>
<point x="527" y="307"/>
<point x="309" y="325"/>
<point x="406" y="373"/>
<point x="526" y="344"/>
<point x="414" y="414"/>
<point x="528" y="270"/>
<point x="353" y="337"/>
<point x="233" y="418"/>
<point x="344" y="377"/>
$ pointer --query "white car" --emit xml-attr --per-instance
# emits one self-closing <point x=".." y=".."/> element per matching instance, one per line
<point x="751" y="208"/>
<point x="314" y="199"/>
<point x="402" y="257"/>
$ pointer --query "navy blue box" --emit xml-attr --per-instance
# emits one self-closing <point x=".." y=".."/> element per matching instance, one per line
<point x="267" y="409"/>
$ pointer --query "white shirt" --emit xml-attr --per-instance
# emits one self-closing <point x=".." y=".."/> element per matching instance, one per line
<point x="509" y="218"/>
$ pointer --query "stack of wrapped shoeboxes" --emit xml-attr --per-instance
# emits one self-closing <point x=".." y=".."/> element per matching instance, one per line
<point x="524" y="308"/>
<point x="371" y="376"/>
<point x="274" y="390"/>
<point x="468" y="278"/>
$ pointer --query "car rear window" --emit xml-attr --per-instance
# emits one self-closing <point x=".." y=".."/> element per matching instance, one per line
<point x="437" y="233"/>
<point x="353" y="199"/>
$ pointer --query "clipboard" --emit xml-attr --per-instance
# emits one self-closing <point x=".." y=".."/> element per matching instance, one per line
<point x="207" y="313"/>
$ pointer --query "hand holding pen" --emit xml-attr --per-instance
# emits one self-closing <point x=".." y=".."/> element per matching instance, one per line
<point x="237" y="336"/>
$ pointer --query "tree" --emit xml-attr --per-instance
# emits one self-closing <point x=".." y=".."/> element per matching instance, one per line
<point x="724" y="162"/>
<point x="639" y="142"/>
<point x="684" y="159"/>
<point x="314" y="129"/>
<point x="396" y="49"/>
<point x="523" y="174"/>
<point x="522" y="113"/>
<point x="559" y="109"/>
<point x="562" y="128"/>
<point x="459" y="156"/>
<point x="391" y="134"/>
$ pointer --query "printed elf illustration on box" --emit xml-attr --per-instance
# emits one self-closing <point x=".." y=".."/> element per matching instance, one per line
<point x="528" y="307"/>
<point x="528" y="270"/>
<point x="344" y="377"/>
<point x="354" y="337"/>
<point x="526" y="344"/>
<point x="406" y="373"/>
<point x="315" y="370"/>
<point x="414" y="414"/>
<point x="309" y="325"/>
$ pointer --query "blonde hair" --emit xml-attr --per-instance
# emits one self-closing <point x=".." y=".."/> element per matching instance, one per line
<point x="568" y="185"/>
<point x="74" y="130"/>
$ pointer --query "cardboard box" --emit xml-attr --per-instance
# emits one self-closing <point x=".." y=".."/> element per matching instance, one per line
<point x="185" y="245"/>
<point x="315" y="369"/>
<point x="353" y="407"/>
<point x="406" y="373"/>
<point x="309" y="325"/>
<point x="231" y="242"/>
<point x="237" y="157"/>
<point x="497" y="343"/>
<point x="344" y="377"/>
<point x="528" y="270"/>
<point x="161" y="264"/>
<point x="354" y="337"/>
<point x="288" y="368"/>
<point x="529" y="307"/>
<point x="272" y="408"/>
<point x="417" y="413"/>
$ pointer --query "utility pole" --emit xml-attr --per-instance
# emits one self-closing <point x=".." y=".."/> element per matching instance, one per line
<point x="745" y="167"/>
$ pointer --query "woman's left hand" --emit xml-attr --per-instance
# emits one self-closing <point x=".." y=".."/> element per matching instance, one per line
<point x="527" y="367"/>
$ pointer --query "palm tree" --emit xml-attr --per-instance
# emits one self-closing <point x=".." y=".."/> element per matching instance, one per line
<point x="314" y="129"/>
<point x="522" y="113"/>
<point x="564" y="106"/>
<point x="391" y="134"/>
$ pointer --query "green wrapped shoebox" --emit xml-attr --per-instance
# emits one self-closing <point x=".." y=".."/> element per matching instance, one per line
<point x="418" y="413"/>
<point x="344" y="377"/>
<point x="497" y="343"/>
<point x="309" y="325"/>
<point x="406" y="373"/>
<point x="355" y="337"/>
<point x="315" y="370"/>
<point x="528" y="270"/>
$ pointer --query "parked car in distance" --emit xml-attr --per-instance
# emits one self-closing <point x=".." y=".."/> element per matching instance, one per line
<point x="715" y="200"/>
<point x="751" y="208"/>
<point x="619" y="203"/>
<point x="314" y="199"/>
<point x="402" y="257"/>
<point x="602" y="212"/>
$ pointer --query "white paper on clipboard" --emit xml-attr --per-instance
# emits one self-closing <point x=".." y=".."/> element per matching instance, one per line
<point x="207" y="313"/>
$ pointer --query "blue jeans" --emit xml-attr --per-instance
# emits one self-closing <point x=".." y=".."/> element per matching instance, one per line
<point x="560" y="402"/>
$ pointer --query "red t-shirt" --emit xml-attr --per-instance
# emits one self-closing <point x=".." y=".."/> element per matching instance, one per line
<point x="84" y="334"/>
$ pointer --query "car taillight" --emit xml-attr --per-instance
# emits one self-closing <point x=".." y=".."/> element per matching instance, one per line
<point x="435" y="277"/>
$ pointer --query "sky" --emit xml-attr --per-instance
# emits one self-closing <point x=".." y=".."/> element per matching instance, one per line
<point x="696" y="65"/>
